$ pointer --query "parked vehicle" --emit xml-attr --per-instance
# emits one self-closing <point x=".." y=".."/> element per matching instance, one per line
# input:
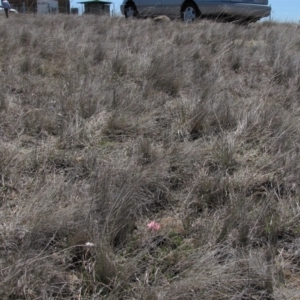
<point x="11" y="10"/>
<point x="47" y="6"/>
<point x="190" y="10"/>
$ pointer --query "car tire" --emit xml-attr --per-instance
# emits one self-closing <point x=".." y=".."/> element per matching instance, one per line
<point x="190" y="12"/>
<point x="130" y="10"/>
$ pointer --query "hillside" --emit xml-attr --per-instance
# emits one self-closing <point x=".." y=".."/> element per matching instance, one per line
<point x="107" y="125"/>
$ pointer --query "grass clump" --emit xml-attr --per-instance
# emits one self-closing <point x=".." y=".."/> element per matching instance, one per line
<point x="110" y="125"/>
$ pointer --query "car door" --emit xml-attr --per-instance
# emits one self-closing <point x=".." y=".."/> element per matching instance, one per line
<point x="210" y="7"/>
<point x="171" y="8"/>
<point x="148" y="8"/>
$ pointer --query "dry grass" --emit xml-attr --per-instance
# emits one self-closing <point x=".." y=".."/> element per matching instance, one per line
<point x="107" y="124"/>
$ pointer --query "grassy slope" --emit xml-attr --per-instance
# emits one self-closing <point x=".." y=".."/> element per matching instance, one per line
<point x="108" y="124"/>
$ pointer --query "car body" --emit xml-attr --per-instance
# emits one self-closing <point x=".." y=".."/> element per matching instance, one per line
<point x="11" y="10"/>
<point x="189" y="10"/>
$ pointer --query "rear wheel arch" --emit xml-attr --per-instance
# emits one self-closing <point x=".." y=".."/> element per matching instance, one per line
<point x="130" y="3"/>
<point x="130" y="10"/>
<point x="187" y="3"/>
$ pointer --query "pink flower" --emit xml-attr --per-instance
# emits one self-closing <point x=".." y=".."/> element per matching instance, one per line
<point x="153" y="226"/>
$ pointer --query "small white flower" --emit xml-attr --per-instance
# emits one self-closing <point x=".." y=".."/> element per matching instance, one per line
<point x="89" y="244"/>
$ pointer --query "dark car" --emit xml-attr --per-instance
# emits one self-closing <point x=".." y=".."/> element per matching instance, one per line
<point x="190" y="10"/>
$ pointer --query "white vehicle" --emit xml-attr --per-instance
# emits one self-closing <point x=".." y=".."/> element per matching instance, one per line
<point x="11" y="11"/>
<point x="190" y="10"/>
<point x="47" y="7"/>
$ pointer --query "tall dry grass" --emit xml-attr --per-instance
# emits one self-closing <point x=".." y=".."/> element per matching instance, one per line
<point x="107" y="124"/>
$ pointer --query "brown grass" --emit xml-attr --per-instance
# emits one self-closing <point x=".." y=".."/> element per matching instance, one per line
<point x="107" y="124"/>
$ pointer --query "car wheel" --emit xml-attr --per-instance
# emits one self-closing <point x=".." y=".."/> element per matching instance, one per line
<point x="130" y="10"/>
<point x="190" y="12"/>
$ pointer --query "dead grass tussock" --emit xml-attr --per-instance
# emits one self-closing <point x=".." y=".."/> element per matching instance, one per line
<point x="107" y="124"/>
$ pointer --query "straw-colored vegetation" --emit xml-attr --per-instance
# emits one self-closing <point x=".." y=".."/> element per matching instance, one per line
<point x="108" y="124"/>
